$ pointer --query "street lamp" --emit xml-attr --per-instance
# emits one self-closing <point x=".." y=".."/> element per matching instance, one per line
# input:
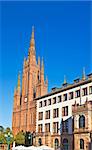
<point x="8" y="137"/>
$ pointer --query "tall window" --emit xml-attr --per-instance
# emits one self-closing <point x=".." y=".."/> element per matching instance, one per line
<point x="55" y="127"/>
<point x="81" y="144"/>
<point x="59" y="98"/>
<point x="77" y="93"/>
<point x="40" y="126"/>
<point x="65" y="97"/>
<point x="47" y="114"/>
<point x="45" y="102"/>
<point x="90" y="90"/>
<point x="70" y="95"/>
<point x="84" y="90"/>
<point x="56" y="113"/>
<point x="40" y="115"/>
<point x="65" y="126"/>
<point x="65" y="111"/>
<point x="40" y="104"/>
<point x="49" y="101"/>
<point x="56" y="143"/>
<point x="47" y="127"/>
<point x="81" y="121"/>
<point x="34" y="93"/>
<point x="54" y="100"/>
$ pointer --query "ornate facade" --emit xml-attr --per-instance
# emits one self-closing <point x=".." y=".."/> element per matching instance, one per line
<point x="33" y="85"/>
<point x="55" y="111"/>
<point x="82" y="115"/>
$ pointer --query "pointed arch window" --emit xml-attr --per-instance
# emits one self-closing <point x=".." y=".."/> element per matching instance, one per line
<point x="82" y="121"/>
<point x="34" y="93"/>
<point x="38" y="76"/>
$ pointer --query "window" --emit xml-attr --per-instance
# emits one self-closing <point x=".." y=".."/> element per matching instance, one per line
<point x="45" y="103"/>
<point x="81" y="144"/>
<point x="40" y="104"/>
<point x="40" y="126"/>
<point x="55" y="127"/>
<point x="54" y="100"/>
<point x="47" y="114"/>
<point x="34" y="93"/>
<point x="65" y="126"/>
<point x="56" y="113"/>
<point x="84" y="90"/>
<point x="77" y="93"/>
<point x="90" y="90"/>
<point x="65" y="111"/>
<point x="47" y="127"/>
<point x="65" y="97"/>
<point x="70" y="95"/>
<point x="59" y="99"/>
<point x="65" y="144"/>
<point x="49" y="101"/>
<point x="56" y="142"/>
<point x="81" y="121"/>
<point x="39" y="141"/>
<point x="40" y="116"/>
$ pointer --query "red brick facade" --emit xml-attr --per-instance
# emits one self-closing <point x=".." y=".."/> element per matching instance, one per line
<point x="33" y="85"/>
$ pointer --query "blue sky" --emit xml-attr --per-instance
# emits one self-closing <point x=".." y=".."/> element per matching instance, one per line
<point x="63" y="39"/>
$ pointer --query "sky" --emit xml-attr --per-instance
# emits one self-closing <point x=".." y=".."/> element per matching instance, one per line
<point x="63" y="37"/>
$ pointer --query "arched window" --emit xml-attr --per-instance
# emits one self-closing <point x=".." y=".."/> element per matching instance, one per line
<point x="56" y="142"/>
<point x="34" y="93"/>
<point x="40" y="141"/>
<point x="81" y="121"/>
<point x="38" y="76"/>
<point x="81" y="144"/>
<point x="65" y="144"/>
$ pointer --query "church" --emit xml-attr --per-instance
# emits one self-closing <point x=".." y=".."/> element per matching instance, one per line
<point x="33" y="85"/>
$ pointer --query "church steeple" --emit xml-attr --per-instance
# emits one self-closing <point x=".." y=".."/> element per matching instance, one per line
<point x="32" y="42"/>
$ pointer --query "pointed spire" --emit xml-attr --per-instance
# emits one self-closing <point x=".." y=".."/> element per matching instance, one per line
<point x="65" y="79"/>
<point x="32" y="42"/>
<point x="42" y="66"/>
<point x="18" y="84"/>
<point x="38" y="61"/>
<point x="83" y="74"/>
<point x="46" y="80"/>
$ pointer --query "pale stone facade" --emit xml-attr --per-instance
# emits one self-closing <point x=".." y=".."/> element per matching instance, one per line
<point x="57" y="105"/>
<point x="33" y="85"/>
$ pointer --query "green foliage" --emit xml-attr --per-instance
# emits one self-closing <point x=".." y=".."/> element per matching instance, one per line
<point x="20" y="138"/>
<point x="2" y="135"/>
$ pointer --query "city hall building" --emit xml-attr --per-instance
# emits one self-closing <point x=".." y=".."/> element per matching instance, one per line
<point x="61" y="118"/>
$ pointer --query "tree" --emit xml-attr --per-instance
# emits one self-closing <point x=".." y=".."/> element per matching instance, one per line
<point x="20" y="138"/>
<point x="2" y="135"/>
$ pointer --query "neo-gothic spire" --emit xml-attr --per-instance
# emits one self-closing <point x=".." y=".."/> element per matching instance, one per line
<point x="42" y="66"/>
<point x="32" y="42"/>
<point x="18" y="84"/>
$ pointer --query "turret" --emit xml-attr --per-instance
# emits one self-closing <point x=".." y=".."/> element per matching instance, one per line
<point x="42" y="71"/>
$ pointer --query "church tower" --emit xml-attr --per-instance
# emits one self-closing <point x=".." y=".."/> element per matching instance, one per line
<point x="33" y="86"/>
